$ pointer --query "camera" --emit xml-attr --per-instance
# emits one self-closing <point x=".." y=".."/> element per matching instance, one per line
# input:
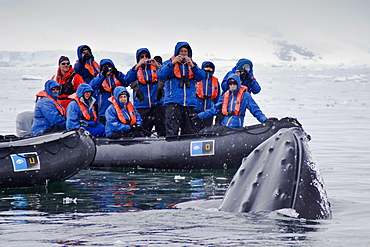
<point x="243" y="74"/>
<point x="183" y="58"/>
<point x="109" y="68"/>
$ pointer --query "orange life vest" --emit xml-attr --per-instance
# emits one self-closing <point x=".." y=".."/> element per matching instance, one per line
<point x="106" y="85"/>
<point x="239" y="97"/>
<point x="141" y="77"/>
<point x="69" y="82"/>
<point x="177" y="71"/>
<point x="130" y="110"/>
<point x="93" y="68"/>
<point x="43" y="93"/>
<point x="214" y="91"/>
<point x="84" y="109"/>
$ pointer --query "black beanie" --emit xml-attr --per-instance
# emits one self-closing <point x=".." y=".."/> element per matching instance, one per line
<point x="158" y="59"/>
<point x="125" y="93"/>
<point x="63" y="58"/>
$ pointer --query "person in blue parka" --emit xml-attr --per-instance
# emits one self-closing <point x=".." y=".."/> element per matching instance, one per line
<point x="179" y="74"/>
<point x="86" y="66"/>
<point x="123" y="120"/>
<point x="208" y="94"/>
<point x="49" y="115"/>
<point x="81" y="112"/>
<point x="244" y="68"/>
<point x="233" y="105"/>
<point x="108" y="79"/>
<point x="144" y="82"/>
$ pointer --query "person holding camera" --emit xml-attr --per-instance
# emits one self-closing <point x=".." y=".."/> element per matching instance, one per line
<point x="108" y="79"/>
<point x="123" y="120"/>
<point x="179" y="74"/>
<point x="144" y="82"/>
<point x="86" y="66"/>
<point x="243" y="68"/>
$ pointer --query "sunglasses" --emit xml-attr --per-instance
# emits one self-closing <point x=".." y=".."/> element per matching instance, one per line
<point x="55" y="89"/>
<point x="65" y="63"/>
<point x="144" y="56"/>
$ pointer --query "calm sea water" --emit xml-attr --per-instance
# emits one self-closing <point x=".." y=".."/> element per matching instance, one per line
<point x="137" y="207"/>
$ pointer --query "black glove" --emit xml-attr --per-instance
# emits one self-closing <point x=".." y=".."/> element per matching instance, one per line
<point x="140" y="95"/>
<point x="160" y="91"/>
<point x="133" y="127"/>
<point x="271" y="120"/>
<point x="193" y="116"/>
<point x="246" y="76"/>
<point x="105" y="71"/>
<point x="139" y="127"/>
<point x="114" y="71"/>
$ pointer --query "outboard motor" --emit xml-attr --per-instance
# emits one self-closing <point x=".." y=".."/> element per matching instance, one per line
<point x="24" y="123"/>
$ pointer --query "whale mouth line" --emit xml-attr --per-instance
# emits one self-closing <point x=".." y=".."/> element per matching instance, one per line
<point x="298" y="170"/>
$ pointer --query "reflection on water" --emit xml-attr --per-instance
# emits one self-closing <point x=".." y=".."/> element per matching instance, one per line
<point x="118" y="191"/>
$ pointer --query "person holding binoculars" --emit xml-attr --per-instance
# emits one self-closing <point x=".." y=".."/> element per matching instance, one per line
<point x="108" y="79"/>
<point x="243" y="68"/>
<point x="86" y="66"/>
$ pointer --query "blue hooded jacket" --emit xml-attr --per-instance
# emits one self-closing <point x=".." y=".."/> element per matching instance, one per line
<point x="149" y="90"/>
<point x="80" y="68"/>
<point x="172" y="92"/>
<point x="46" y="115"/>
<point x="100" y="94"/>
<point x="204" y="104"/>
<point x="235" y="121"/>
<point x="75" y="118"/>
<point x="113" y="123"/>
<point x="253" y="86"/>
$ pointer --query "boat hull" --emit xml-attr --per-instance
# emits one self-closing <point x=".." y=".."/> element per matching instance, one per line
<point x="202" y="151"/>
<point x="38" y="161"/>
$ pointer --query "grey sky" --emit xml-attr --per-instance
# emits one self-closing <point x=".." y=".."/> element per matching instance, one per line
<point x="210" y="26"/>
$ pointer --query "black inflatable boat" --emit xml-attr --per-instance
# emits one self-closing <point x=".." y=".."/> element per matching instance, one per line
<point x="211" y="150"/>
<point x="38" y="161"/>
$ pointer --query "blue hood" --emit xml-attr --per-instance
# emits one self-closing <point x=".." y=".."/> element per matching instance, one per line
<point x="212" y="65"/>
<point x="140" y="51"/>
<point x="83" y="88"/>
<point x="49" y="85"/>
<point x="183" y="44"/>
<point x="243" y="61"/>
<point x="79" y="52"/>
<point x="117" y="91"/>
<point x="236" y="78"/>
<point x="105" y="61"/>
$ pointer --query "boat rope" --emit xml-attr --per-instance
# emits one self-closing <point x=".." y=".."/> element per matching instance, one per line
<point x="71" y="141"/>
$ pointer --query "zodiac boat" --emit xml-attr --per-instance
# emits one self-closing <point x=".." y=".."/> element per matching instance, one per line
<point x="210" y="150"/>
<point x="41" y="160"/>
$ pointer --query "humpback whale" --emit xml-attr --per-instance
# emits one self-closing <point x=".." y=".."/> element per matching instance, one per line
<point x="279" y="173"/>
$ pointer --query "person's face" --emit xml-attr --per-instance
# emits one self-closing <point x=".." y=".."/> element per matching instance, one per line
<point x="87" y="95"/>
<point x="85" y="52"/>
<point x="183" y="52"/>
<point x="144" y="55"/>
<point x="123" y="98"/>
<point x="208" y="69"/>
<point x="64" y="66"/>
<point x="233" y="87"/>
<point x="55" y="89"/>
